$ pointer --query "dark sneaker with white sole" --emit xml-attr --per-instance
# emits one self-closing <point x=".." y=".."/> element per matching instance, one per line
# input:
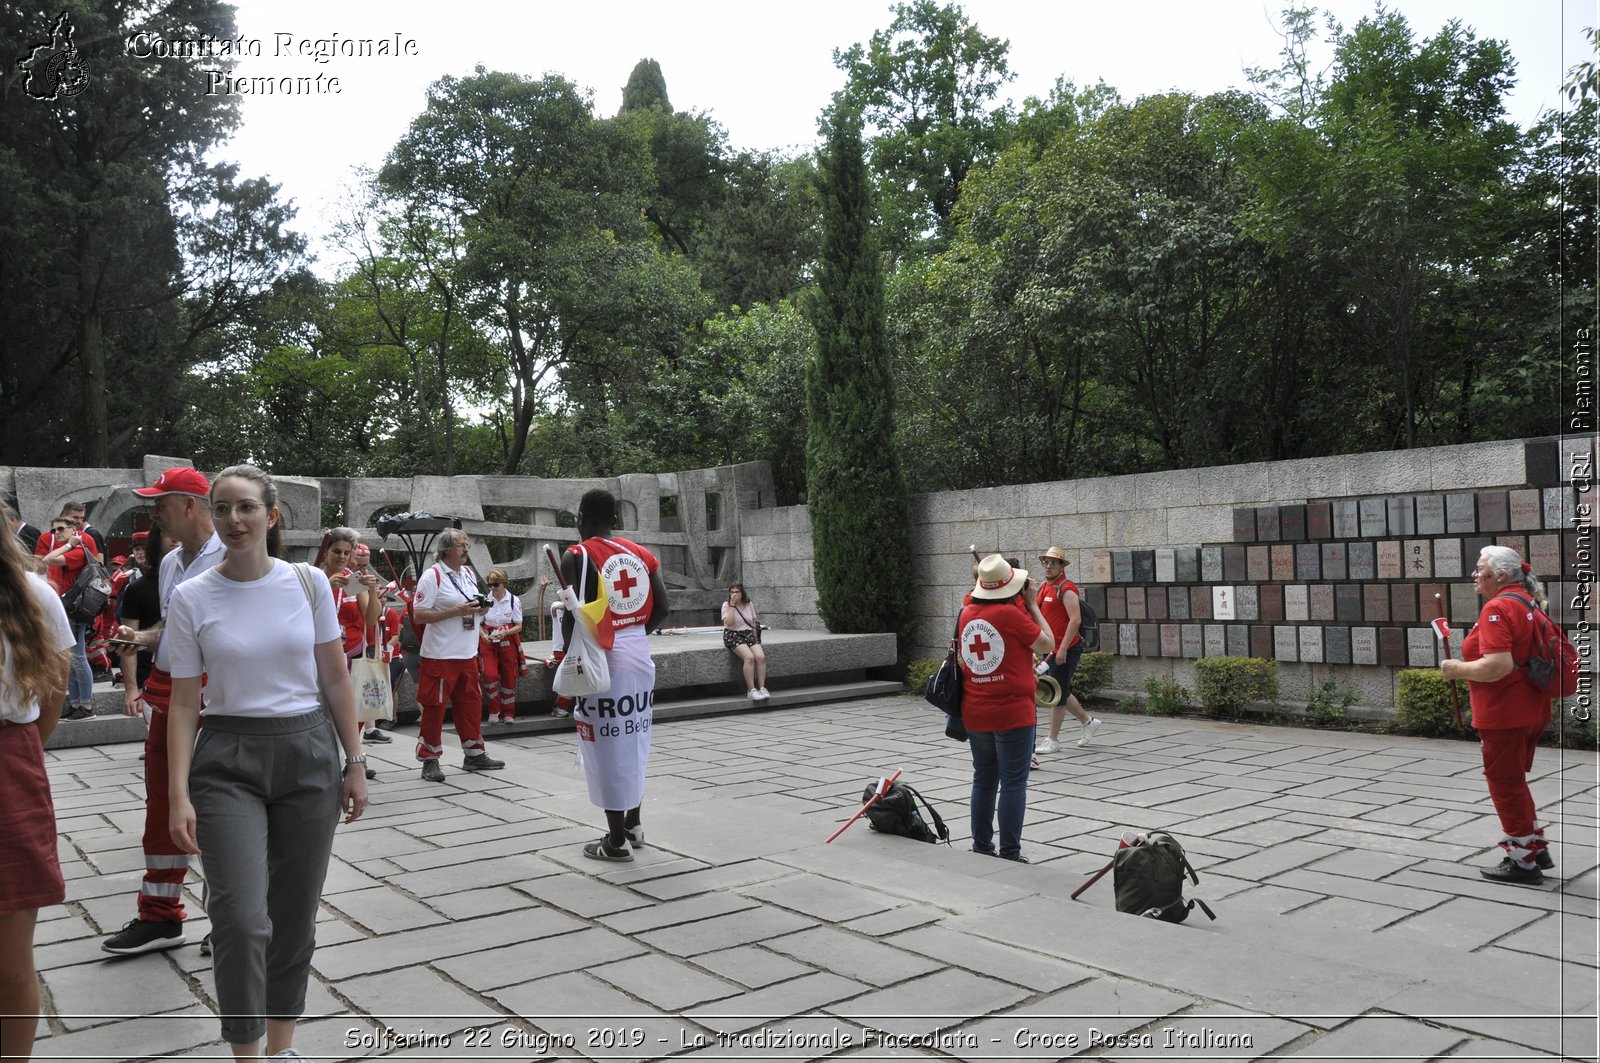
<point x="482" y="762"/>
<point x="376" y="737"/>
<point x="602" y="850"/>
<point x="77" y="713"/>
<point x="1508" y="870"/>
<point x="142" y="936"/>
<point x="431" y="770"/>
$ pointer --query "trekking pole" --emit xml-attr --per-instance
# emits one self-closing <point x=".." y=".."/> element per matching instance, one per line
<point x="883" y="788"/>
<point x="1441" y="628"/>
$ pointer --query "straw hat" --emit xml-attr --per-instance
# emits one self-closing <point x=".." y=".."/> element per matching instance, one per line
<point x="1055" y="553"/>
<point x="998" y="578"/>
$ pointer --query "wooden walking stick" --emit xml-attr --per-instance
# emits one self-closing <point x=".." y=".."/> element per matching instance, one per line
<point x="1441" y="628"/>
<point x="883" y="788"/>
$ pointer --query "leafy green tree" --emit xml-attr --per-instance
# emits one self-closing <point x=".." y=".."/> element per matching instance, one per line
<point x="646" y="88"/>
<point x="856" y="491"/>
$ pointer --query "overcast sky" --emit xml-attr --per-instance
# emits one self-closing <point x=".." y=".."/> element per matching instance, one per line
<point x="765" y="70"/>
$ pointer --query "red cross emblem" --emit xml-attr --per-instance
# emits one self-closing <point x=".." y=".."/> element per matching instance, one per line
<point x="978" y="647"/>
<point x="625" y="583"/>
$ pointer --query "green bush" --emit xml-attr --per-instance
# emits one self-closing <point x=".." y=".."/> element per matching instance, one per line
<point x="1330" y="699"/>
<point x="1094" y="672"/>
<point x="1228" y="684"/>
<point x="917" y="673"/>
<point x="1165" y="698"/>
<point x="1425" y="705"/>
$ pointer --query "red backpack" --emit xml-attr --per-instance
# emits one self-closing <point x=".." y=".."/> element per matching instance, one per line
<point x="1552" y="664"/>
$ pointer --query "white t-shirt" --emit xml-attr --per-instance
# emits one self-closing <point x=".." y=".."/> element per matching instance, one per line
<point x="743" y="615"/>
<point x="174" y="572"/>
<point x="58" y="634"/>
<point x="557" y="611"/>
<point x="454" y="638"/>
<point x="253" y="641"/>
<point x="504" y="611"/>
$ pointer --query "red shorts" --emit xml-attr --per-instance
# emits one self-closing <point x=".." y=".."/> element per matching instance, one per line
<point x="30" y="873"/>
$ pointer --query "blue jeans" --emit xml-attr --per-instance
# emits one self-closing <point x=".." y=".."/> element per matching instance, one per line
<point x="1000" y="760"/>
<point x="80" y="680"/>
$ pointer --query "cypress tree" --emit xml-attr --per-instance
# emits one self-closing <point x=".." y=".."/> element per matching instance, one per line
<point x="646" y="87"/>
<point x="856" y="488"/>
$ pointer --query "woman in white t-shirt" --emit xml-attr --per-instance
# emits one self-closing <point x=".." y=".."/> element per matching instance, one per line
<point x="741" y="634"/>
<point x="500" y="648"/>
<point x="34" y="642"/>
<point x="261" y="790"/>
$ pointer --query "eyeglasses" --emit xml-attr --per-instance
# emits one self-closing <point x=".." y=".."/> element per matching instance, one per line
<point x="494" y="584"/>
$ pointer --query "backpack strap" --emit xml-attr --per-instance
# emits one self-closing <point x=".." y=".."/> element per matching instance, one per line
<point x="938" y="823"/>
<point x="303" y="570"/>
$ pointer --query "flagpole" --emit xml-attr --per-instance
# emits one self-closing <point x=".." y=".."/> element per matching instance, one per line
<point x="1444" y="639"/>
<point x="881" y="791"/>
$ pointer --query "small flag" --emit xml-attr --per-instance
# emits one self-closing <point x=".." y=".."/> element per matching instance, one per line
<point x="1441" y="628"/>
<point x="883" y="786"/>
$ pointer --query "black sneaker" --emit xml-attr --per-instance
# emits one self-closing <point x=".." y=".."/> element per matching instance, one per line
<point x="602" y="850"/>
<point x="372" y="773"/>
<point x="482" y="762"/>
<point x="78" y="712"/>
<point x="1508" y="870"/>
<point x="377" y="737"/>
<point x="205" y="944"/>
<point x="1545" y="860"/>
<point x="1018" y="858"/>
<point x="431" y="770"/>
<point x="142" y="936"/>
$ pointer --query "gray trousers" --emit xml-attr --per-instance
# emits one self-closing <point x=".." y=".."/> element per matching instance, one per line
<point x="266" y="801"/>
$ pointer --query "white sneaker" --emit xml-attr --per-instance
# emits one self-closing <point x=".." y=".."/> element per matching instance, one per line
<point x="763" y="692"/>
<point x="1089" y="729"/>
<point x="1047" y="745"/>
<point x="753" y="694"/>
<point x="289" y="1053"/>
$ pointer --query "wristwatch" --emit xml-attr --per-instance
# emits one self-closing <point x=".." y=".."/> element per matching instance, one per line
<point x="360" y="758"/>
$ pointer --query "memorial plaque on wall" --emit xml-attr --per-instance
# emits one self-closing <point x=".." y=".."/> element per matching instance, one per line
<point x="1493" y="511"/>
<point x="1428" y="606"/>
<point x="1447" y="558"/>
<point x="1311" y="645"/>
<point x="1149" y="640"/>
<point x="1258" y="563"/>
<point x="1211" y="564"/>
<point x="1096" y="597"/>
<point x="1171" y="644"/>
<point x="1375" y="602"/>
<point x="1389" y="564"/>
<point x="1419" y="558"/>
<point x="1333" y="566"/>
<point x="1296" y="602"/>
<point x="1527" y="510"/>
<point x="1285" y="644"/>
<point x="1346" y="519"/>
<point x="1144" y="566"/>
<point x="1260" y="641"/>
<point x="1363" y="645"/>
<point x="1322" y="603"/>
<point x="1233" y="567"/>
<point x="1542" y="458"/>
<point x="1471" y="547"/>
<point x="1363" y="561"/>
<point x="1430" y="514"/>
<point x="1215" y="643"/>
<point x="1336" y="645"/>
<point x="1374" y="518"/>
<point x="1244" y="525"/>
<point x="1166" y="566"/>
<point x="1267" y="529"/>
<point x="1459" y="513"/>
<point x="1283" y="563"/>
<point x="1109" y="639"/>
<point x="1519" y="543"/>
<point x="1246" y="602"/>
<point x="1100" y="566"/>
<point x="1222" y="604"/>
<point x="1307" y="561"/>
<point x="1319" y="520"/>
<point x="1403" y="603"/>
<point x="1155" y="603"/>
<point x="1270" y="599"/>
<point x="1463" y="603"/>
<point x="1117" y="603"/>
<point x="1187" y="560"/>
<point x="1238" y="637"/>
<point x="1392" y="647"/>
<point x="1292" y="523"/>
<point x="1558" y="508"/>
<point x="1136" y="604"/>
<point x="1122" y="566"/>
<point x="1402" y="515"/>
<point x="1178" y="603"/>
<point x="1189" y="636"/>
<point x="1347" y="602"/>
<point x="1575" y="555"/>
<point x="1200" y="603"/>
<point x="1128" y="640"/>
<point x="1421" y="647"/>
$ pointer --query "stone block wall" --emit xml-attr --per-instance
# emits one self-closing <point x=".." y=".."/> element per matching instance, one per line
<point x="775" y="545"/>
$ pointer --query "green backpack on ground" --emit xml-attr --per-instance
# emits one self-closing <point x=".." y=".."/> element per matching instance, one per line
<point x="1149" y="880"/>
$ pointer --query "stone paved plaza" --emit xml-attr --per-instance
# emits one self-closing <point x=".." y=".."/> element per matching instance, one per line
<point x="460" y="921"/>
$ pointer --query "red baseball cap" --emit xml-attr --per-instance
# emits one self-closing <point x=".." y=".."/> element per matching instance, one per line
<point x="180" y="481"/>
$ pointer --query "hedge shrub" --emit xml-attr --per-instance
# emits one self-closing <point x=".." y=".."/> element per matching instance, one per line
<point x="1094" y="672"/>
<point x="1425" y="707"/>
<point x="1228" y="684"/>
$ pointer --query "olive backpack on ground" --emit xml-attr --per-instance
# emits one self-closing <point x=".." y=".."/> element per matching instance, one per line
<point x="1149" y="880"/>
<point x="896" y="813"/>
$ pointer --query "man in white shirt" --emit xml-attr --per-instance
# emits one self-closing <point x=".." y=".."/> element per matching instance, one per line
<point x="449" y="603"/>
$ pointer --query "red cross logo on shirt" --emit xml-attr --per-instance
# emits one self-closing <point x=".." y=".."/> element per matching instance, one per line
<point x="625" y="583"/>
<point x="979" y="647"/>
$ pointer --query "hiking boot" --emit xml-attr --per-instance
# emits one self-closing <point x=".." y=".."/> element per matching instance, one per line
<point x="78" y="712"/>
<point x="635" y="835"/>
<point x="602" y="850"/>
<point x="1545" y="860"/>
<point x="431" y="770"/>
<point x="1047" y="745"/>
<point x="144" y="936"/>
<point x="1089" y="729"/>
<point x="1508" y="870"/>
<point x="482" y="762"/>
<point x="376" y="736"/>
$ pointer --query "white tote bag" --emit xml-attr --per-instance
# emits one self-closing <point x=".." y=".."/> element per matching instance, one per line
<point x="584" y="670"/>
<point x="374" y="700"/>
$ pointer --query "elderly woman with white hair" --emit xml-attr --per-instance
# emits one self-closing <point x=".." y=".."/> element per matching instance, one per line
<point x="1509" y="712"/>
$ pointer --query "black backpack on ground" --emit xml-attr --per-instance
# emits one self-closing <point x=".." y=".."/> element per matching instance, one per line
<point x="1149" y="880"/>
<point x="896" y="813"/>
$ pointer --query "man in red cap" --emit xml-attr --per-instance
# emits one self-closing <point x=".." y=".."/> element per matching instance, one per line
<point x="182" y="503"/>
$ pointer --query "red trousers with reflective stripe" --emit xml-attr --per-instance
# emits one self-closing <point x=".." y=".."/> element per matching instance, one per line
<point x="452" y="683"/>
<point x="1507" y="759"/>
<point x="161" y="893"/>
<point x="499" y="662"/>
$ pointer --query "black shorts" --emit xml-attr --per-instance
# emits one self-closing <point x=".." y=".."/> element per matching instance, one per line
<point x="1062" y="673"/>
<point x="733" y="639"/>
